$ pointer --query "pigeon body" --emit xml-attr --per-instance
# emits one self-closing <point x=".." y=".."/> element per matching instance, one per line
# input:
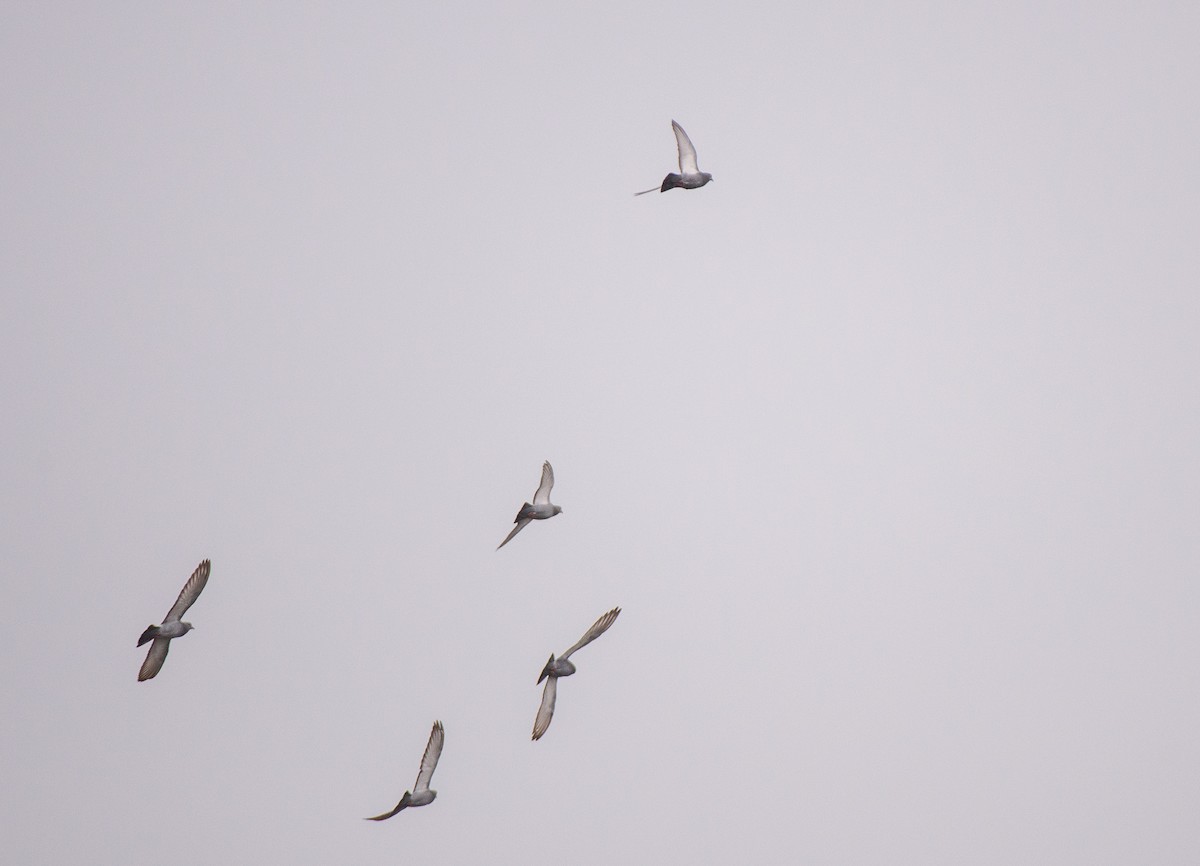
<point x="167" y="630"/>
<point x="690" y="176"/>
<point x="561" y="667"/>
<point x="421" y="794"/>
<point x="539" y="509"/>
<point x="172" y="626"/>
<point x="556" y="668"/>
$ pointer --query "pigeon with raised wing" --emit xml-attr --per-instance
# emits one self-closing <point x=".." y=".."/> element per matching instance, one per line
<point x="541" y="509"/>
<point x="690" y="176"/>
<point x="421" y="794"/>
<point x="560" y="667"/>
<point x="172" y="627"/>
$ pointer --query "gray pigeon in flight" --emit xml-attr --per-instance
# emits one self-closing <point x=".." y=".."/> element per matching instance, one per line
<point x="541" y="509"/>
<point x="690" y="176"/>
<point x="171" y="626"/>
<point x="421" y="794"/>
<point x="560" y="667"/>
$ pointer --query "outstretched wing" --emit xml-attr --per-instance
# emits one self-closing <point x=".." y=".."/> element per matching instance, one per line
<point x="433" y="751"/>
<point x="155" y="658"/>
<point x="546" y="711"/>
<point x="404" y="801"/>
<point x="190" y="592"/>
<point x="687" y="153"/>
<point x="542" y="496"/>
<point x="598" y="628"/>
<point x="522" y="522"/>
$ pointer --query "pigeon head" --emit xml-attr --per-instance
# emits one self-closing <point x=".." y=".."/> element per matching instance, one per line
<point x="558" y="509"/>
<point x="187" y="626"/>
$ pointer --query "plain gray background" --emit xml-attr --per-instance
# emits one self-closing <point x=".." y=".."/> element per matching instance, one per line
<point x="885" y="441"/>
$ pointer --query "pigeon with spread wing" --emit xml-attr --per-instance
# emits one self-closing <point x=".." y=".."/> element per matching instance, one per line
<point x="561" y="667"/>
<point x="540" y="509"/>
<point x="421" y="794"/>
<point x="171" y="626"/>
<point x="690" y="176"/>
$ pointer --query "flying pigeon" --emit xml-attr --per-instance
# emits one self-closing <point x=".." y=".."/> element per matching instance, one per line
<point x="690" y="176"/>
<point x="560" y="667"/>
<point x="421" y="794"/>
<point x="541" y="509"/>
<point x="171" y="626"/>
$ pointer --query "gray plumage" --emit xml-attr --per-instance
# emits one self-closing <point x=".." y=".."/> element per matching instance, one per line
<point x="172" y="626"/>
<point x="539" y="509"/>
<point x="421" y="794"/>
<point x="561" y="667"/>
<point x="690" y="176"/>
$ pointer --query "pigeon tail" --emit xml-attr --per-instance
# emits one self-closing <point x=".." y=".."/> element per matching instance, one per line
<point x="148" y="635"/>
<point x="546" y="670"/>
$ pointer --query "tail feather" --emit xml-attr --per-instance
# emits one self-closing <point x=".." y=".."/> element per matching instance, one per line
<point x="546" y="669"/>
<point x="148" y="635"/>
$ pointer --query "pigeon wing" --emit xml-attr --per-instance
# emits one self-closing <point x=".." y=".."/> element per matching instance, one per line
<point x="542" y="496"/>
<point x="190" y="592"/>
<point x="687" y="153"/>
<point x="546" y="711"/>
<point x="429" y="761"/>
<point x="404" y="801"/>
<point x="155" y="658"/>
<point x="598" y="628"/>
<point x="522" y="522"/>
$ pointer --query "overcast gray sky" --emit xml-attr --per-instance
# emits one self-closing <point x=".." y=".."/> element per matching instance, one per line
<point x="885" y="441"/>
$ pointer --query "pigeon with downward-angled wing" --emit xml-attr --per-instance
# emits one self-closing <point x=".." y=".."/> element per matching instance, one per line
<point x="421" y="794"/>
<point x="171" y="627"/>
<point x="690" y="176"/>
<point x="560" y="667"/>
<point x="540" y="509"/>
